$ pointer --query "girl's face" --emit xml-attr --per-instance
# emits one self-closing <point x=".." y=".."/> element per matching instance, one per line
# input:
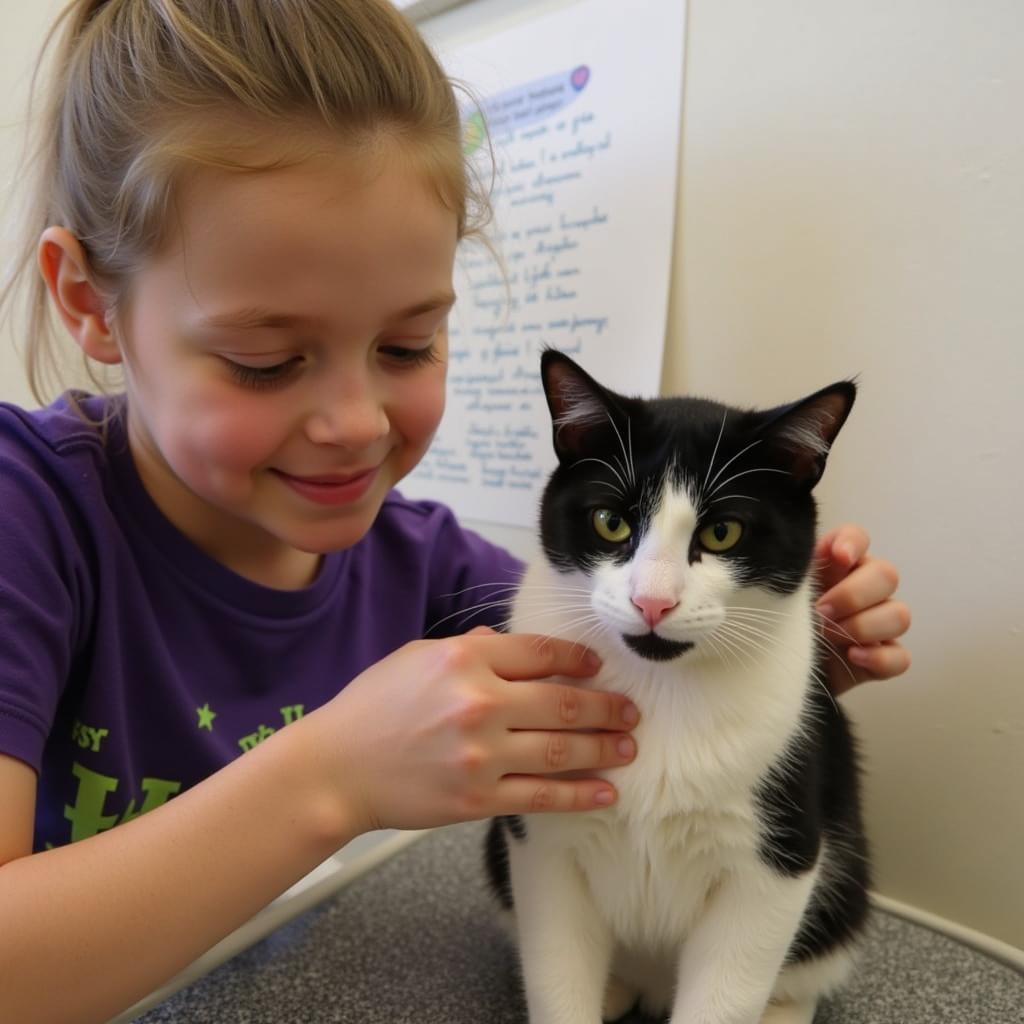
<point x="285" y="357"/>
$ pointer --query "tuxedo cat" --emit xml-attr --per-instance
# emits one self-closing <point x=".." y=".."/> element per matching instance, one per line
<point x="728" y="884"/>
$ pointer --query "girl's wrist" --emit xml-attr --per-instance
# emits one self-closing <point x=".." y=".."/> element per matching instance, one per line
<point x="329" y="804"/>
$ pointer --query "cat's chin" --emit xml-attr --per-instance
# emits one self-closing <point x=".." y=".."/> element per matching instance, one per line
<point x="656" y="648"/>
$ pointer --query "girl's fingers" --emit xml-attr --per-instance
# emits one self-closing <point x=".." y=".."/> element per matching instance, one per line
<point x="882" y="661"/>
<point x="526" y="656"/>
<point x="871" y="583"/>
<point x="527" y="794"/>
<point x="549" y="706"/>
<point x="879" y="624"/>
<point x="838" y="552"/>
<point x="539" y="753"/>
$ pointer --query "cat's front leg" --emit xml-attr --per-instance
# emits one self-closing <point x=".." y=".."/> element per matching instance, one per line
<point x="564" y="945"/>
<point x="730" y="961"/>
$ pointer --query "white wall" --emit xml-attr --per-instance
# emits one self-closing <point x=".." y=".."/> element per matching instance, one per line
<point x="852" y="201"/>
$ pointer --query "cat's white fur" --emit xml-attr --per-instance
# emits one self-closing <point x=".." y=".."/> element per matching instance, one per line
<point x="663" y="896"/>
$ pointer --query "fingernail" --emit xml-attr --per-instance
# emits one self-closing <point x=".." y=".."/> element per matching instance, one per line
<point x="626" y="747"/>
<point x="604" y="797"/>
<point x="858" y="655"/>
<point x="630" y="713"/>
<point x="592" y="661"/>
<point x="826" y="611"/>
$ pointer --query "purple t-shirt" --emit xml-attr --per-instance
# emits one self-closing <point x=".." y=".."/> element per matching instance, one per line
<point x="132" y="665"/>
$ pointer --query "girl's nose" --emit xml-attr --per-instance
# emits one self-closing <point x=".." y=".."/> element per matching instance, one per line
<point x="349" y="419"/>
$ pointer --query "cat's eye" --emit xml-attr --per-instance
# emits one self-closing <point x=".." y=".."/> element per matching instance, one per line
<point x="610" y="526"/>
<point x="721" y="536"/>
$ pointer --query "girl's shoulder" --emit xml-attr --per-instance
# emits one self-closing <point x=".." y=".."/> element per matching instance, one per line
<point x="76" y="424"/>
<point x="55" y="473"/>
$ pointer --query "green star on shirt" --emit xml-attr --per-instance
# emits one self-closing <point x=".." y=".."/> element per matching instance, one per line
<point x="206" y="717"/>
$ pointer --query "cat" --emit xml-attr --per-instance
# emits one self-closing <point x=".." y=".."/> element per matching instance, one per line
<point x="728" y="884"/>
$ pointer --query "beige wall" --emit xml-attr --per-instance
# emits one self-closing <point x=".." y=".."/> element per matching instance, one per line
<point x="22" y="29"/>
<point x="852" y="201"/>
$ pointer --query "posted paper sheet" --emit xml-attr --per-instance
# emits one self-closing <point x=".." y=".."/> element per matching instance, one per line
<point x="583" y="107"/>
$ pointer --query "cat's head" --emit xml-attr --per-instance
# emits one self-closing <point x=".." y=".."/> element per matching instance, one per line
<point x="689" y="519"/>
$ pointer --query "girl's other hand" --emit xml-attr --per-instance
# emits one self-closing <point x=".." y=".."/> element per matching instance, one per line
<point x="462" y="728"/>
<point x="861" y="620"/>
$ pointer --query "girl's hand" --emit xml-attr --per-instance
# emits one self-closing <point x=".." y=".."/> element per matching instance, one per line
<point x="461" y="728"/>
<point x="860" y="620"/>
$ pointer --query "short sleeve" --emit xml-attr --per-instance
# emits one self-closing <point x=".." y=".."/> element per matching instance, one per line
<point x="41" y="584"/>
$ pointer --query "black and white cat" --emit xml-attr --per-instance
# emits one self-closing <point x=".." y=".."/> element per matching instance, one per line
<point x="728" y="884"/>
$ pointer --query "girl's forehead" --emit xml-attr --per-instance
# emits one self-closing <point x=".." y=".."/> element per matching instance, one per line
<point x="328" y="225"/>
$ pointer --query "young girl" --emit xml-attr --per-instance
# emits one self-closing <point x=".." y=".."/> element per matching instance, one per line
<point x="253" y="209"/>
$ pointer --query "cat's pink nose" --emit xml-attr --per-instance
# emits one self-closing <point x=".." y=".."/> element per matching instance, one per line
<point x="654" y="608"/>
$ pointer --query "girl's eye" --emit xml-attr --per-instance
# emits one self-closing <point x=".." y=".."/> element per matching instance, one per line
<point x="412" y="356"/>
<point x="262" y="376"/>
<point x="610" y="526"/>
<point x="721" y="536"/>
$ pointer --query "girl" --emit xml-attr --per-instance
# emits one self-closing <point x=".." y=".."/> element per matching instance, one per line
<point x="253" y="209"/>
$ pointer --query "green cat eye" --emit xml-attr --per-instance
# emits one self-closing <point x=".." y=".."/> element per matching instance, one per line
<point x="610" y="526"/>
<point x="721" y="536"/>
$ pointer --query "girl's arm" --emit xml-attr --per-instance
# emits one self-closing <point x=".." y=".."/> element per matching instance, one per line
<point x="440" y="731"/>
<point x="90" y="928"/>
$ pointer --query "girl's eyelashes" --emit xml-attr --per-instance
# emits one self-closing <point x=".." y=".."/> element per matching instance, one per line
<point x="265" y="377"/>
<point x="412" y="356"/>
<point x="262" y="377"/>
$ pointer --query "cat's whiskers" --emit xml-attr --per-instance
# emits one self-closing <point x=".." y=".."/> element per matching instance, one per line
<point x="604" y="462"/>
<point x="763" y="616"/>
<point x="550" y="610"/>
<point x="721" y="471"/>
<point x="824" y="622"/>
<point x="727" y="497"/>
<point x="579" y="620"/>
<point x="470" y="610"/>
<point x="466" y="613"/>
<point x="759" y="639"/>
<point x="628" y="467"/>
<point x="728" y="647"/>
<point x="711" y="464"/>
<point x="747" y="472"/>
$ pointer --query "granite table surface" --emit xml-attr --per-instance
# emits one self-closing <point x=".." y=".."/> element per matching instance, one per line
<point x="416" y="941"/>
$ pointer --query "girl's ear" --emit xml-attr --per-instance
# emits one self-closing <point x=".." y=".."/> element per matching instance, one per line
<point x="65" y="268"/>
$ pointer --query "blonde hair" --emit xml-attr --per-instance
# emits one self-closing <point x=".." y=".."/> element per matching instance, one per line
<point x="134" y="81"/>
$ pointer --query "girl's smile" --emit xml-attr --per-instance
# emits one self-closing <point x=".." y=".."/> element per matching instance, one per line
<point x="331" y="489"/>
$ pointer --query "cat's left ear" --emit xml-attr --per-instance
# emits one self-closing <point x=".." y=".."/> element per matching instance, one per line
<point x="579" y="406"/>
<point x="802" y="434"/>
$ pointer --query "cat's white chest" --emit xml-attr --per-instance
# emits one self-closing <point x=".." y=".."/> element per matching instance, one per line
<point x="651" y="862"/>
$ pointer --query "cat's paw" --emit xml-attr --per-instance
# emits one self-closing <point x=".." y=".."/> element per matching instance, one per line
<point x="619" y="999"/>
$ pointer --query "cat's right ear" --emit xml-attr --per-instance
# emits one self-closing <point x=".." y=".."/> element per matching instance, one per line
<point x="577" y="403"/>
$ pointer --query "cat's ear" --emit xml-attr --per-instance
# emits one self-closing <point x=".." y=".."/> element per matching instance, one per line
<point x="578" y="404"/>
<point x="801" y="434"/>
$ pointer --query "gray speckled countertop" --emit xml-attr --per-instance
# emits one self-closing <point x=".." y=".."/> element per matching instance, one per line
<point x="416" y="941"/>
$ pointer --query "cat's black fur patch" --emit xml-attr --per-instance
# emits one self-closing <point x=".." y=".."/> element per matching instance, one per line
<point x="809" y="796"/>
<point x="655" y="648"/>
<point x="496" y="855"/>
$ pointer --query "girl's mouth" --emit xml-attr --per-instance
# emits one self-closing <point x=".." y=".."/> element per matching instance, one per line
<point x="331" y="488"/>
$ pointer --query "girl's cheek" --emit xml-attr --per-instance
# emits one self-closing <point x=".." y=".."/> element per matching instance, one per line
<point x="423" y="408"/>
<point x="229" y="434"/>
